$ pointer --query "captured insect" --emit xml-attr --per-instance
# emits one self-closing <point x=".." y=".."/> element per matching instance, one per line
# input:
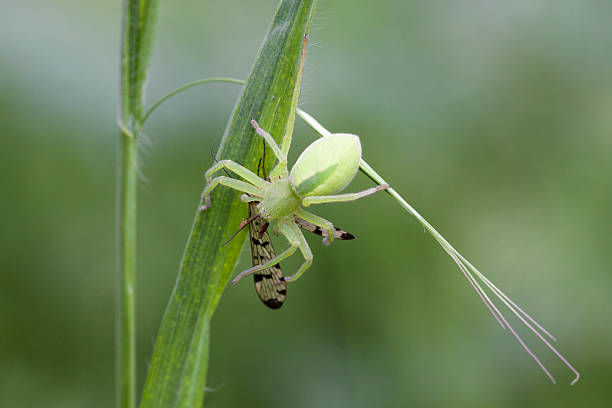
<point x="324" y="168"/>
<point x="270" y="283"/>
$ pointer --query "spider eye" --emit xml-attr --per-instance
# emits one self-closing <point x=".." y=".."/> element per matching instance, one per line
<point x="327" y="166"/>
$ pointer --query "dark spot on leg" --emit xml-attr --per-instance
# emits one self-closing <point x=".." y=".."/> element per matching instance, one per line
<point x="257" y="277"/>
<point x="318" y="231"/>
<point x="346" y="235"/>
<point x="277" y="266"/>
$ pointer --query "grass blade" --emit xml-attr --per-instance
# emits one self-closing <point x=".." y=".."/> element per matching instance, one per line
<point x="177" y="373"/>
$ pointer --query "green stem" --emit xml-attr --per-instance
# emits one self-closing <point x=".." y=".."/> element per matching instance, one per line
<point x="137" y="40"/>
<point x="126" y="310"/>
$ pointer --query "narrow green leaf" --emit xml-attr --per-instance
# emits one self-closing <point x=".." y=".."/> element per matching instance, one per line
<point x="177" y="373"/>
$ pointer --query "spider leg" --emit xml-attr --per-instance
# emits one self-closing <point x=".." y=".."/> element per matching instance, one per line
<point x="234" y="167"/>
<point x="296" y="240"/>
<point x="252" y="187"/>
<point x="319" y="222"/>
<point x="245" y="198"/>
<point x="228" y="182"/>
<point x="293" y="233"/>
<point x="283" y="255"/>
<point x="342" y="197"/>
<point x="282" y="158"/>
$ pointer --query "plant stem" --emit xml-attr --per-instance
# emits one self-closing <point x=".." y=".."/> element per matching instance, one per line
<point x="136" y="43"/>
<point x="126" y="310"/>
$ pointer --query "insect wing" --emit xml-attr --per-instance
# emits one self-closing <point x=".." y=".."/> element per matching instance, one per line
<point x="269" y="283"/>
<point x="315" y="229"/>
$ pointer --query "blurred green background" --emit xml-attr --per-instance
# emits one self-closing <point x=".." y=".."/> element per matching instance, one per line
<point x="492" y="118"/>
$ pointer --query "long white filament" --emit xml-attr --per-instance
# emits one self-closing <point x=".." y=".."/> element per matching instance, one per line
<point x="467" y="269"/>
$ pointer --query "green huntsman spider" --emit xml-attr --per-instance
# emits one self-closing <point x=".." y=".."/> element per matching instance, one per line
<point x="323" y="169"/>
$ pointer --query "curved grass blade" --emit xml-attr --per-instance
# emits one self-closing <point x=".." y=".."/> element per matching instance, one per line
<point x="177" y="373"/>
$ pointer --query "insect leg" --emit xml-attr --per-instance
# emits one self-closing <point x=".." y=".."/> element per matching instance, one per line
<point x="228" y="182"/>
<point x="241" y="171"/>
<point x="342" y="197"/>
<point x="320" y="223"/>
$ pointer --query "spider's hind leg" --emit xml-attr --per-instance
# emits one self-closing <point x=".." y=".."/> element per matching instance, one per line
<point x="283" y="255"/>
<point x="293" y="234"/>
<point x="326" y="228"/>
<point x="296" y="241"/>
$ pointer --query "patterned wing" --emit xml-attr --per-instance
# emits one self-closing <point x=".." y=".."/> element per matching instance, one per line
<point x="269" y="283"/>
<point x="315" y="229"/>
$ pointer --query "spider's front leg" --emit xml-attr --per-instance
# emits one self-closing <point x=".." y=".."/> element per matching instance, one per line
<point x="252" y="187"/>
<point x="282" y="158"/>
<point x="228" y="182"/>
<point x="245" y="198"/>
<point x="280" y="170"/>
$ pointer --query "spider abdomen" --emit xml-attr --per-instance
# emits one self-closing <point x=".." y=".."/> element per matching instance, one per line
<point x="327" y="166"/>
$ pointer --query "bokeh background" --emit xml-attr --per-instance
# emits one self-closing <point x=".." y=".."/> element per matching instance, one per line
<point x="492" y="118"/>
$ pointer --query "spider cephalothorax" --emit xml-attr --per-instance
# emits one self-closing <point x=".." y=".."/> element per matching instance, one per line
<point x="278" y="199"/>
<point x="323" y="169"/>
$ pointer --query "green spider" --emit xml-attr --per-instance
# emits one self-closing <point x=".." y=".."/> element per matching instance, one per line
<point x="323" y="169"/>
